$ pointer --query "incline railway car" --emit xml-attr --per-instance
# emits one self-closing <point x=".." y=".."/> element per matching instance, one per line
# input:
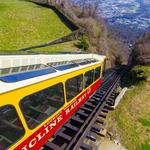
<point x="38" y="93"/>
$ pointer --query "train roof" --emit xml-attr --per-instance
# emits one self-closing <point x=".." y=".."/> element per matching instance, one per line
<point x="16" y="70"/>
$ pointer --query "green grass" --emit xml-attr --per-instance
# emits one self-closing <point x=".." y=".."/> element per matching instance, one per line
<point x="144" y="122"/>
<point x="132" y="123"/>
<point x="144" y="147"/>
<point x="140" y="72"/>
<point x="24" y="24"/>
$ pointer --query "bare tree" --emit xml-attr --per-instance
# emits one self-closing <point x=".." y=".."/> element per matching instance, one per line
<point x="141" y="51"/>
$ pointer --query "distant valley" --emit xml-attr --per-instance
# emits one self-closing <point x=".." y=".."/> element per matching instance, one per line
<point x="127" y="19"/>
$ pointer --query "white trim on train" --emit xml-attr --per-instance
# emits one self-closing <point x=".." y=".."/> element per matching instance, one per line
<point x="5" y="87"/>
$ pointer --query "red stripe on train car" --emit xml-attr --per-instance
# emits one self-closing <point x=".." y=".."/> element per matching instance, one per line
<point x="37" y="139"/>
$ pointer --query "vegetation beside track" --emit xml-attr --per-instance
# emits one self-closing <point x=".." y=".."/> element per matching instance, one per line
<point x="24" y="24"/>
<point x="131" y="119"/>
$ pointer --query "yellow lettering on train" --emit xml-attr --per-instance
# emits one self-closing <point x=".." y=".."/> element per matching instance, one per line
<point x="25" y="147"/>
<point x="32" y="143"/>
<point x="89" y="91"/>
<point x="59" y="118"/>
<point x="80" y="99"/>
<point x="67" y="111"/>
<point x="46" y="130"/>
<point x="40" y="136"/>
<point x="52" y="125"/>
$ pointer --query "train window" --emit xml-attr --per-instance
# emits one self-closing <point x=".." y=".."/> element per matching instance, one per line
<point x="40" y="105"/>
<point x="24" y="68"/>
<point x="97" y="73"/>
<point x="11" y="128"/>
<point x="74" y="86"/>
<point x="15" y="69"/>
<point x="88" y="78"/>
<point x="5" y="71"/>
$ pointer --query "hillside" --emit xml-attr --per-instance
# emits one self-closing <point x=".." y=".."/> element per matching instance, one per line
<point x="130" y="122"/>
<point x="141" y="50"/>
<point x="100" y="39"/>
<point x="23" y="24"/>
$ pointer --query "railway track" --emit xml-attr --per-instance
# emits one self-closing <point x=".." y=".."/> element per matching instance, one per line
<point x="87" y="122"/>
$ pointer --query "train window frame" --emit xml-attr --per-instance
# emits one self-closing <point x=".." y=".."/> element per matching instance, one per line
<point x="99" y="67"/>
<point x="68" y="100"/>
<point x="21" y="125"/>
<point x="40" y="122"/>
<point x="93" y="78"/>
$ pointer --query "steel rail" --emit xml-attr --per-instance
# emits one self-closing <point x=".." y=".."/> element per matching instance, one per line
<point x="92" y="119"/>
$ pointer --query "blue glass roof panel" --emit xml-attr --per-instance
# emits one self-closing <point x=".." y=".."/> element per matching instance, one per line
<point x="65" y="67"/>
<point x="26" y="75"/>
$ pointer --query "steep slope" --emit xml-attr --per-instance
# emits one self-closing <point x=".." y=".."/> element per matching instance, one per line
<point x="130" y="122"/>
<point x="23" y="23"/>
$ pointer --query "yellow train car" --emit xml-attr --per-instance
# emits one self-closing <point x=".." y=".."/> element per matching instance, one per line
<point x="38" y="93"/>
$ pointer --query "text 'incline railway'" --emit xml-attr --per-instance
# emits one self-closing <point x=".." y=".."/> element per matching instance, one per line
<point x="40" y="92"/>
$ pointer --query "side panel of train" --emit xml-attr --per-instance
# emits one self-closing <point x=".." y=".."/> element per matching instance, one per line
<point x="29" y="116"/>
